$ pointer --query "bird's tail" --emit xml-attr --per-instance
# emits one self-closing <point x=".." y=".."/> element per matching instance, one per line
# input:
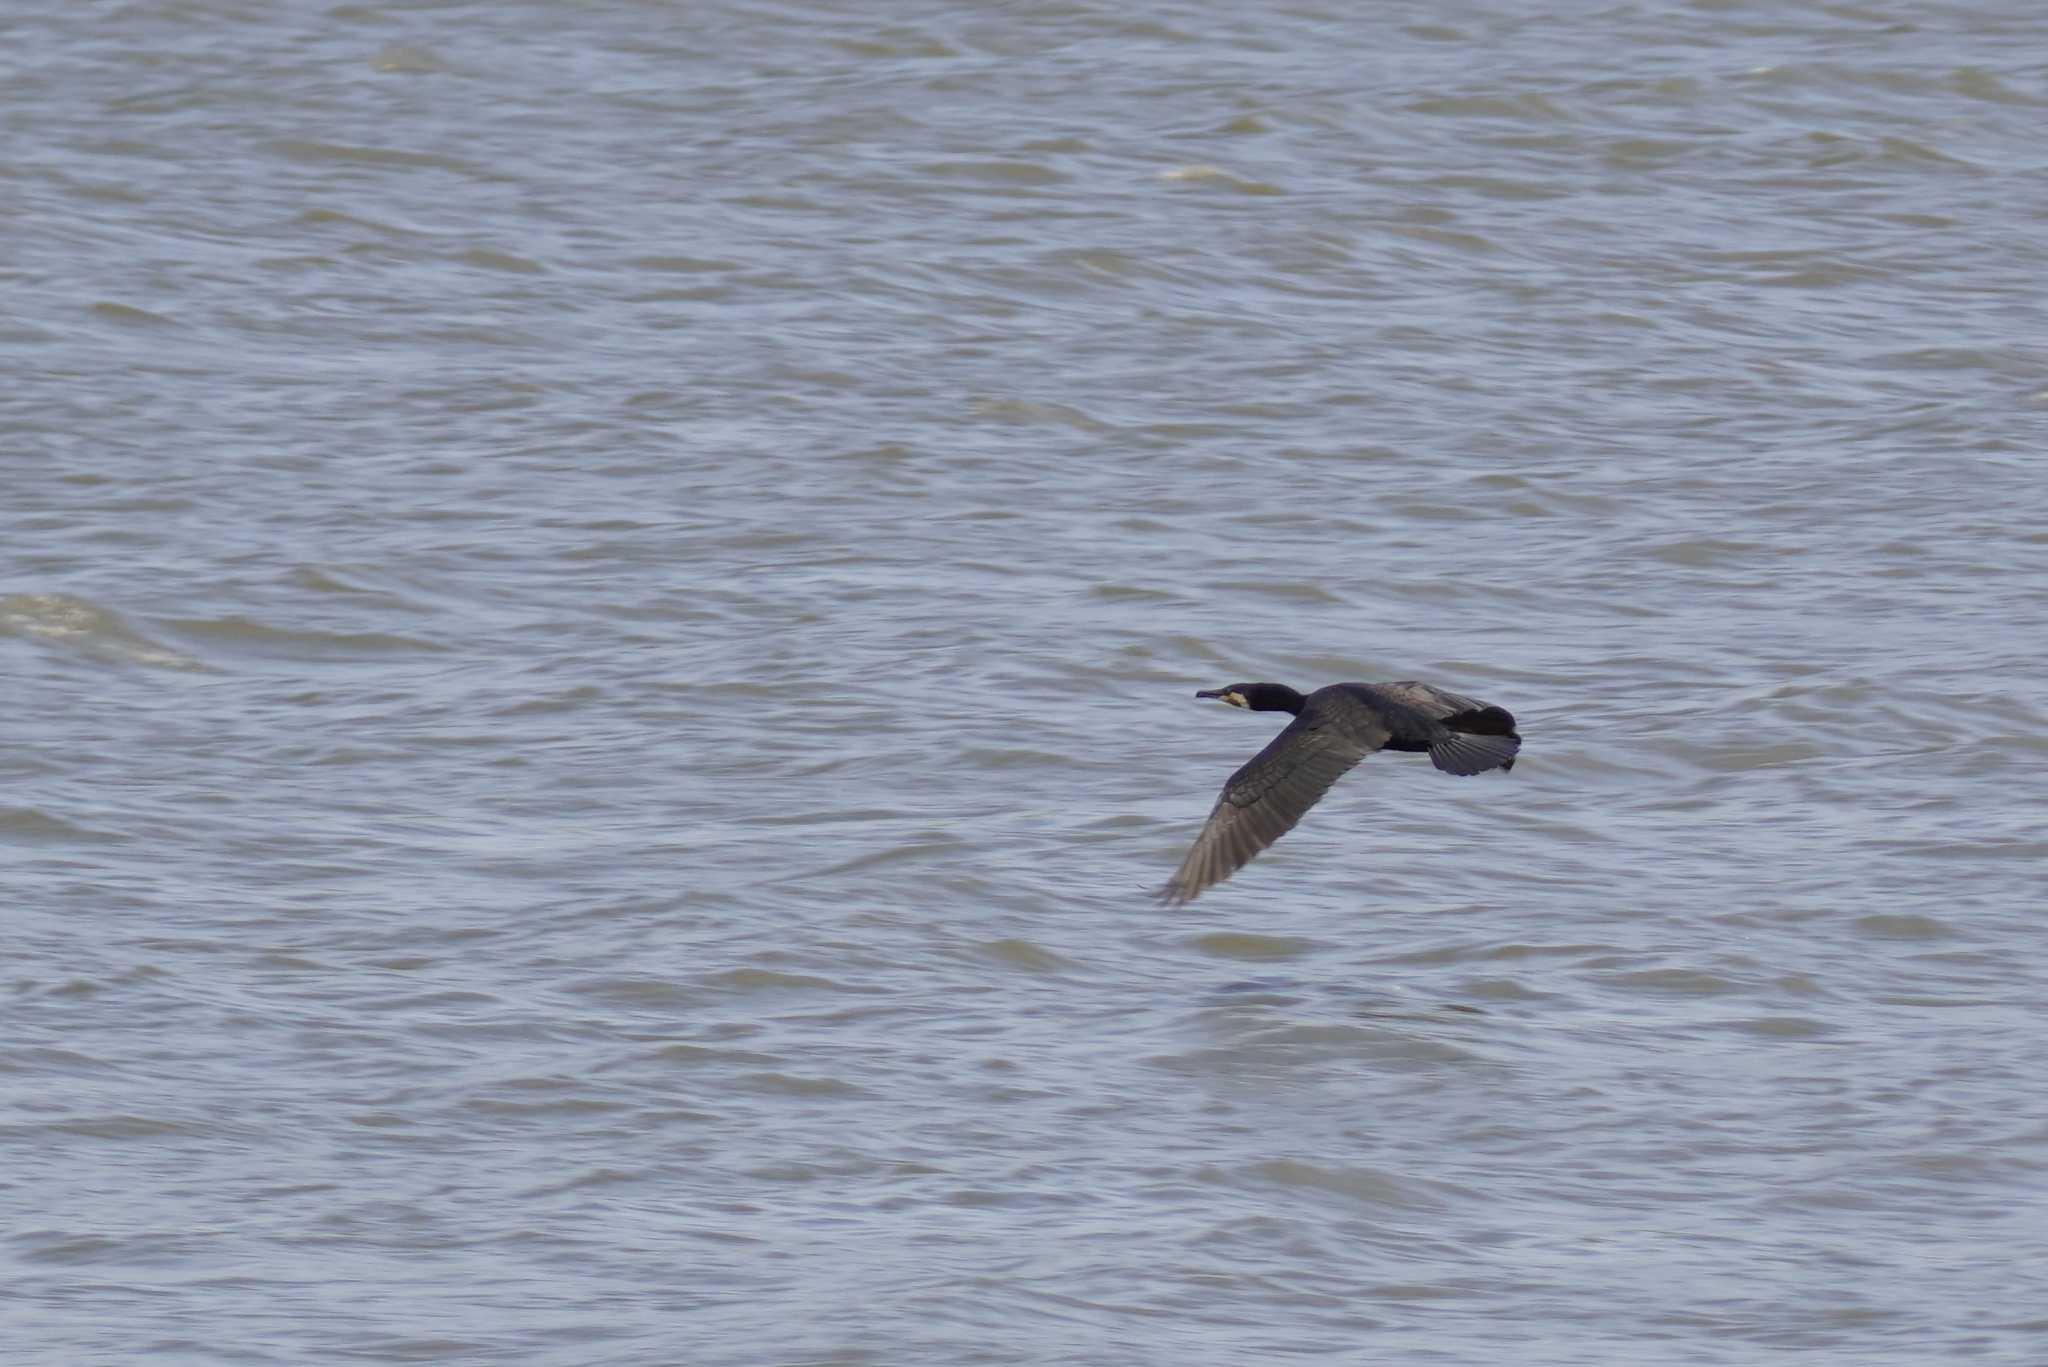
<point x="1480" y="738"/>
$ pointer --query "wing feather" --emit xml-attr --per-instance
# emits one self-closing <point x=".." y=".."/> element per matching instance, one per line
<point x="1431" y="701"/>
<point x="1263" y="800"/>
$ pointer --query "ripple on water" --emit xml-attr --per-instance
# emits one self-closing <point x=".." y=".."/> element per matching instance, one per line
<point x="29" y="826"/>
<point x="1368" y="1187"/>
<point x="1023" y="954"/>
<point x="1904" y="926"/>
<point x="80" y="625"/>
<point x="238" y="635"/>
<point x="1242" y="945"/>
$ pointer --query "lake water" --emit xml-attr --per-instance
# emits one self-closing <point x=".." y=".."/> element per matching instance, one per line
<point x="600" y="614"/>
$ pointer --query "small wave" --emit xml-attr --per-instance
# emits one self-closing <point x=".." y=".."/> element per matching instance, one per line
<point x="83" y="626"/>
<point x="241" y="635"/>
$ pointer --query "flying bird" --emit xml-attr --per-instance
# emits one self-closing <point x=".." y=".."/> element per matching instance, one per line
<point x="1333" y="729"/>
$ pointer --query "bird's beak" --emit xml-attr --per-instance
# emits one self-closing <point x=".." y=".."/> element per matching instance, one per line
<point x="1210" y="693"/>
<point x="1235" y="699"/>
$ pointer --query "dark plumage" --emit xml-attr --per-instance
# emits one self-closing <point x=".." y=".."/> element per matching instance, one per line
<point x="1333" y="729"/>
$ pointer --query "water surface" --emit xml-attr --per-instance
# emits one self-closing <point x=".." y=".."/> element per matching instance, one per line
<point x="599" y="621"/>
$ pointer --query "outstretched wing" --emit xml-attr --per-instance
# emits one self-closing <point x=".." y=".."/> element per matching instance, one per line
<point x="1264" y="799"/>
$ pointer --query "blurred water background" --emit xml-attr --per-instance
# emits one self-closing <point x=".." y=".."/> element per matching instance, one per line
<point x="599" y="607"/>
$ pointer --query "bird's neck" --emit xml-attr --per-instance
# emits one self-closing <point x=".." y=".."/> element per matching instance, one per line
<point x="1282" y="699"/>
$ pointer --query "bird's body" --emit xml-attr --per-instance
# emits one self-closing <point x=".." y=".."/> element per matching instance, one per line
<point x="1333" y="729"/>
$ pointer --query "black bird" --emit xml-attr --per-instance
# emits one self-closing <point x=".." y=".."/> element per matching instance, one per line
<point x="1333" y="729"/>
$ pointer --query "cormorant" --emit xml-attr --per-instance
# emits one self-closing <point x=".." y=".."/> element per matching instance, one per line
<point x="1333" y="729"/>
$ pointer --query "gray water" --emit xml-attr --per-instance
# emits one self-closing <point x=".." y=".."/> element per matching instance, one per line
<point x="599" y="621"/>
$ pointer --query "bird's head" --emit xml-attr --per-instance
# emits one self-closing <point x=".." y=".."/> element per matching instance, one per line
<point x="1258" y="697"/>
